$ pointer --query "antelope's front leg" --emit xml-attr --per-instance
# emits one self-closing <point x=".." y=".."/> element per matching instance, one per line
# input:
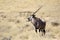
<point x="39" y="30"/>
<point x="35" y="30"/>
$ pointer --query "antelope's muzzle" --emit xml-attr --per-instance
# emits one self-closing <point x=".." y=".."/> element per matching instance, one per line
<point x="28" y="19"/>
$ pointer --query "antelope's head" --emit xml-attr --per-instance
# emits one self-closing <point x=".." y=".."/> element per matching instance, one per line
<point x="31" y="17"/>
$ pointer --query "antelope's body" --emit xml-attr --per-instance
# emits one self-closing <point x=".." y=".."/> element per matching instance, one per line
<point x="38" y="23"/>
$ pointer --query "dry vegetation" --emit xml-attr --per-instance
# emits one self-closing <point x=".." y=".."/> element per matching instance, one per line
<point x="13" y="19"/>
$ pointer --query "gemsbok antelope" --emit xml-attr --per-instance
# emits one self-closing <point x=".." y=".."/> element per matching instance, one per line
<point x="38" y="23"/>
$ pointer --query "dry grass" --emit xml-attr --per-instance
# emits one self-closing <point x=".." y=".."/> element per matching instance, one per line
<point x="13" y="19"/>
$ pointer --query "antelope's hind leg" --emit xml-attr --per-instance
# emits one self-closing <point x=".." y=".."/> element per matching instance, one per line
<point x="43" y="32"/>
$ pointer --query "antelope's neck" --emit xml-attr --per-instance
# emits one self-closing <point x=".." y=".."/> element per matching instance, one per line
<point x="33" y="21"/>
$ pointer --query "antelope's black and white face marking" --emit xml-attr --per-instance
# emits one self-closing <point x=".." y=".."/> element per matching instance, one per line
<point x="30" y="18"/>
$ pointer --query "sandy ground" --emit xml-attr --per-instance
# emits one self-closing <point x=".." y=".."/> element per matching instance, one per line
<point x="13" y="19"/>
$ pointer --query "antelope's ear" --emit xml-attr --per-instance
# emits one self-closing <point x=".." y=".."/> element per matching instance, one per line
<point x="33" y="15"/>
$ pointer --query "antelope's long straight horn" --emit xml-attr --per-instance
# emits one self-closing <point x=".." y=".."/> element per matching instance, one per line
<point x="37" y="10"/>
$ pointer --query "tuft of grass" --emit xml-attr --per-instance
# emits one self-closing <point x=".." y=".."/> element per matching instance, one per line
<point x="17" y="21"/>
<point x="55" y="23"/>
